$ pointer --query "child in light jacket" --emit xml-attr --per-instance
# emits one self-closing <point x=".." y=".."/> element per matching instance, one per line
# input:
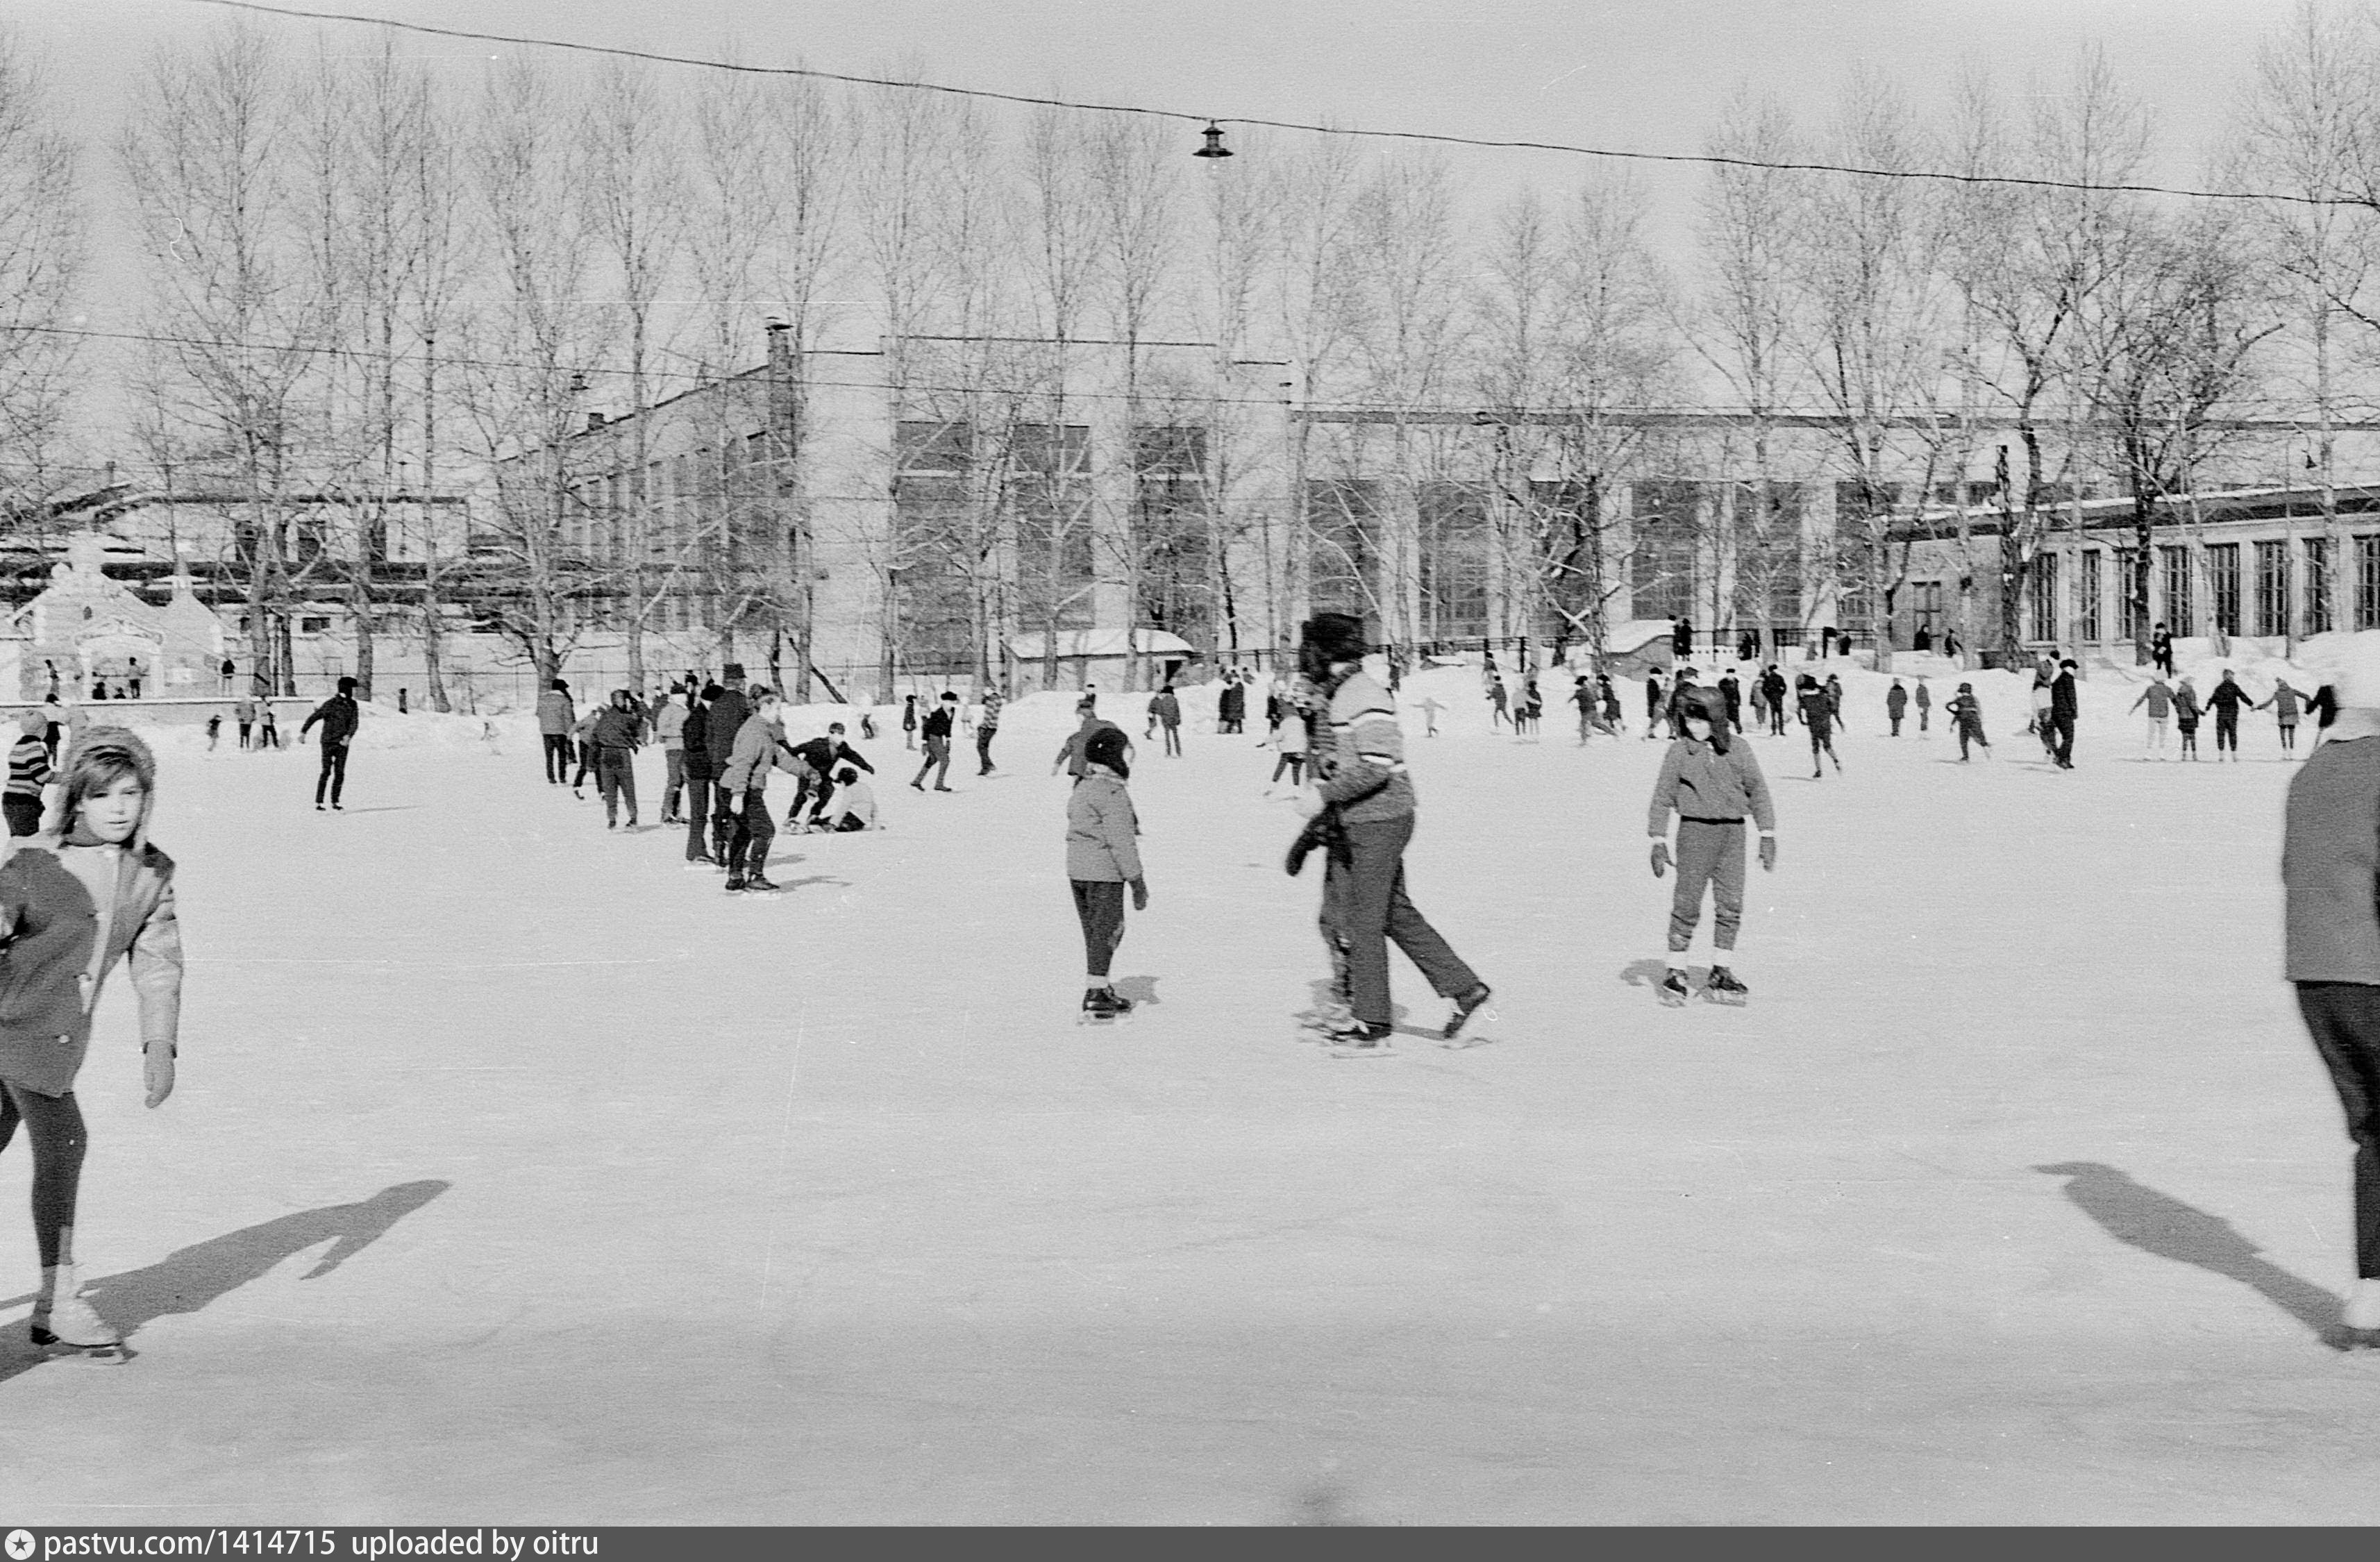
<point x="1102" y="856"/>
<point x="1710" y="783"/>
<point x="85" y="893"/>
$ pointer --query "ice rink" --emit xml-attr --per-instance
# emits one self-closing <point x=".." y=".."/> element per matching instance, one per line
<point x="518" y="1174"/>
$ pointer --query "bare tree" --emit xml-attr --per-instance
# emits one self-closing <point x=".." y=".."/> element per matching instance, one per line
<point x="1059" y="223"/>
<point x="1134" y="172"/>
<point x="237" y="330"/>
<point x="43" y="251"/>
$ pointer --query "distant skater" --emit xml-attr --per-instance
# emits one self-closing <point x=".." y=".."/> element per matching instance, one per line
<point x="989" y="723"/>
<point x="2285" y="702"/>
<point x="29" y="771"/>
<point x="1818" y="714"/>
<point x="1966" y="713"/>
<point x="2224" y="702"/>
<point x="1925" y="706"/>
<point x="940" y="721"/>
<point x="555" y="718"/>
<point x="1896" y="704"/>
<point x="1292" y="740"/>
<point x="2185" y="719"/>
<point x="619" y="731"/>
<point x="2159" y="700"/>
<point x="339" y="717"/>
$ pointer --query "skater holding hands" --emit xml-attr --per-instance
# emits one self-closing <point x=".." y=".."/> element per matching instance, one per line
<point x="1710" y="781"/>
<point x="1102" y="856"/>
<point x="86" y="891"/>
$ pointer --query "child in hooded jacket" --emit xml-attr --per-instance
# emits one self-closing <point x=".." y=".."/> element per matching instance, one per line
<point x="85" y="893"/>
<point x="1102" y="856"/>
<point x="1710" y="781"/>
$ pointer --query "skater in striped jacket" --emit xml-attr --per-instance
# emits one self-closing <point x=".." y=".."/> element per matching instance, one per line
<point x="1710" y="781"/>
<point x="86" y="891"/>
<point x="29" y="771"/>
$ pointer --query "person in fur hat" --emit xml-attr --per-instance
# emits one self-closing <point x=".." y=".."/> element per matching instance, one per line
<point x="1710" y="781"/>
<point x="85" y="893"/>
<point x="2330" y="876"/>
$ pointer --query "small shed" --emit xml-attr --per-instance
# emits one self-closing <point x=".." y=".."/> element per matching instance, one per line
<point x="1096" y="656"/>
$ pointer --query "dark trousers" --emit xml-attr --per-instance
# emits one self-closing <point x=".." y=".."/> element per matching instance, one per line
<point x="1969" y="732"/>
<point x="333" y="773"/>
<point x="2227" y="733"/>
<point x="1294" y="764"/>
<point x="244" y="727"/>
<point x="54" y="1125"/>
<point x="1174" y="739"/>
<point x="2343" y="1018"/>
<point x="1896" y="726"/>
<point x="1710" y="856"/>
<point x="1365" y="905"/>
<point x="557" y="754"/>
<point x="983" y="747"/>
<point x="698" y="815"/>
<point x="2189" y="736"/>
<point x="748" y="850"/>
<point x="722" y="825"/>
<point x="812" y="793"/>
<point x="1777" y="720"/>
<point x="938" y="752"/>
<point x="24" y="814"/>
<point x="2061" y="729"/>
<point x="585" y="764"/>
<point x="615" y="777"/>
<point x="1099" y="905"/>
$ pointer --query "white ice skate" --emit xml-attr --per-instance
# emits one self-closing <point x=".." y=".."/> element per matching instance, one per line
<point x="65" y="1323"/>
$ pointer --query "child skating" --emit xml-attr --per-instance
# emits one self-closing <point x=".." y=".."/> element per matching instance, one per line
<point x="1103" y="858"/>
<point x="85" y="893"/>
<point x="2159" y="699"/>
<point x="1710" y="781"/>
<point x="1966" y="713"/>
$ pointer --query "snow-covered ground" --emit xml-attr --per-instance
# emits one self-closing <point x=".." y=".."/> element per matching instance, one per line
<point x="519" y="1174"/>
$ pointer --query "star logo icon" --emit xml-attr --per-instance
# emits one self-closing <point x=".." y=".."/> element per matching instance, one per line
<point x="20" y="1544"/>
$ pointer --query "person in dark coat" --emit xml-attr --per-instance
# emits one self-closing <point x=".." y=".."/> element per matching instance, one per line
<point x="1896" y="704"/>
<point x="727" y="715"/>
<point x="1654" y="694"/>
<point x="941" y="723"/>
<point x="619" y="731"/>
<point x="1818" y="715"/>
<point x="2161" y="650"/>
<point x="1772" y="688"/>
<point x="2226" y="702"/>
<point x="2330" y="875"/>
<point x="1966" y="713"/>
<point x="1231" y="705"/>
<point x="693" y="740"/>
<point x="2064" y="707"/>
<point x="339" y="717"/>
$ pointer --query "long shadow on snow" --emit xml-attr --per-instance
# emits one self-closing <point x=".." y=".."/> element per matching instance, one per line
<point x="188" y="1278"/>
<point x="2141" y="1216"/>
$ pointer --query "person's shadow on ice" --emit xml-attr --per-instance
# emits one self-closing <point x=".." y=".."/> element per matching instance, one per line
<point x="2141" y="1216"/>
<point x="188" y="1278"/>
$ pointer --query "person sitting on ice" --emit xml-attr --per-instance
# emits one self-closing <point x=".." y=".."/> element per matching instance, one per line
<point x="856" y="803"/>
<point x="1709" y="782"/>
<point x="823" y="755"/>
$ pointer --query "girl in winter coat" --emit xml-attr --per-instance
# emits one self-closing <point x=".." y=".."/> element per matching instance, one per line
<point x="2285" y="702"/>
<point x="1102" y="856"/>
<point x="86" y="891"/>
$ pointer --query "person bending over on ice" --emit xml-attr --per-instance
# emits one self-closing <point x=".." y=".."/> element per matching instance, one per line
<point x="1710" y="781"/>
<point x="339" y="717"/>
<point x="824" y="756"/>
<point x="856" y="805"/>
<point x="86" y="891"/>
<point x="1102" y="856"/>
<point x="1363" y="902"/>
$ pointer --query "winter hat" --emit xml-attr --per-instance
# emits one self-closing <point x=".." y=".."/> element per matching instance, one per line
<point x="346" y="685"/>
<point x="714" y="692"/>
<point x="105" y="742"/>
<point x="1337" y="636"/>
<point x="1711" y="706"/>
<point x="34" y="722"/>
<point x="732" y="672"/>
<point x="1106" y="747"/>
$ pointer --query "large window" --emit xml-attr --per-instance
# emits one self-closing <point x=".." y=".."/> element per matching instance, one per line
<point x="2130" y="578"/>
<point x="2273" y="587"/>
<point x="2087" y="591"/>
<point x="2180" y="614"/>
<point x="1055" y="562"/>
<point x="2367" y="582"/>
<point x="2041" y="596"/>
<point x="1661" y="564"/>
<point x="2317" y="586"/>
<point x="2222" y="586"/>
<point x="1925" y="609"/>
<point x="1455" y="539"/>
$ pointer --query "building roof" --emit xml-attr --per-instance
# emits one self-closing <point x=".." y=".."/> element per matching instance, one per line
<point x="1031" y="646"/>
<point x="2174" y="509"/>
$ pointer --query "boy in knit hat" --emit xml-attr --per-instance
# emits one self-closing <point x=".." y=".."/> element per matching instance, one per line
<point x="1102" y="856"/>
<point x="2330" y="872"/>
<point x="1710" y="781"/>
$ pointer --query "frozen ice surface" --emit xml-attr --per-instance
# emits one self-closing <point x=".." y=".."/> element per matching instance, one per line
<point x="517" y="1175"/>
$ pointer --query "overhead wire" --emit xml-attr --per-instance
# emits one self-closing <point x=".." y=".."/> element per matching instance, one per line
<point x="1435" y="138"/>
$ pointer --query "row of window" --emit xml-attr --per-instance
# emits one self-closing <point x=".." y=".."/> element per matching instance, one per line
<point x="2250" y="590"/>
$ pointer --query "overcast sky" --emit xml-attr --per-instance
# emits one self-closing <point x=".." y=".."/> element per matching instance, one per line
<point x="1637" y="74"/>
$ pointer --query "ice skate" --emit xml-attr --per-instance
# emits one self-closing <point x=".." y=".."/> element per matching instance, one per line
<point x="2362" y="1312"/>
<point x="1723" y="987"/>
<point x="1104" y="1006"/>
<point x="1466" y="1006"/>
<point x="735" y="883"/>
<point x="761" y="884"/>
<point x="66" y="1324"/>
<point x="1364" y="1041"/>
<point x="1673" y="989"/>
